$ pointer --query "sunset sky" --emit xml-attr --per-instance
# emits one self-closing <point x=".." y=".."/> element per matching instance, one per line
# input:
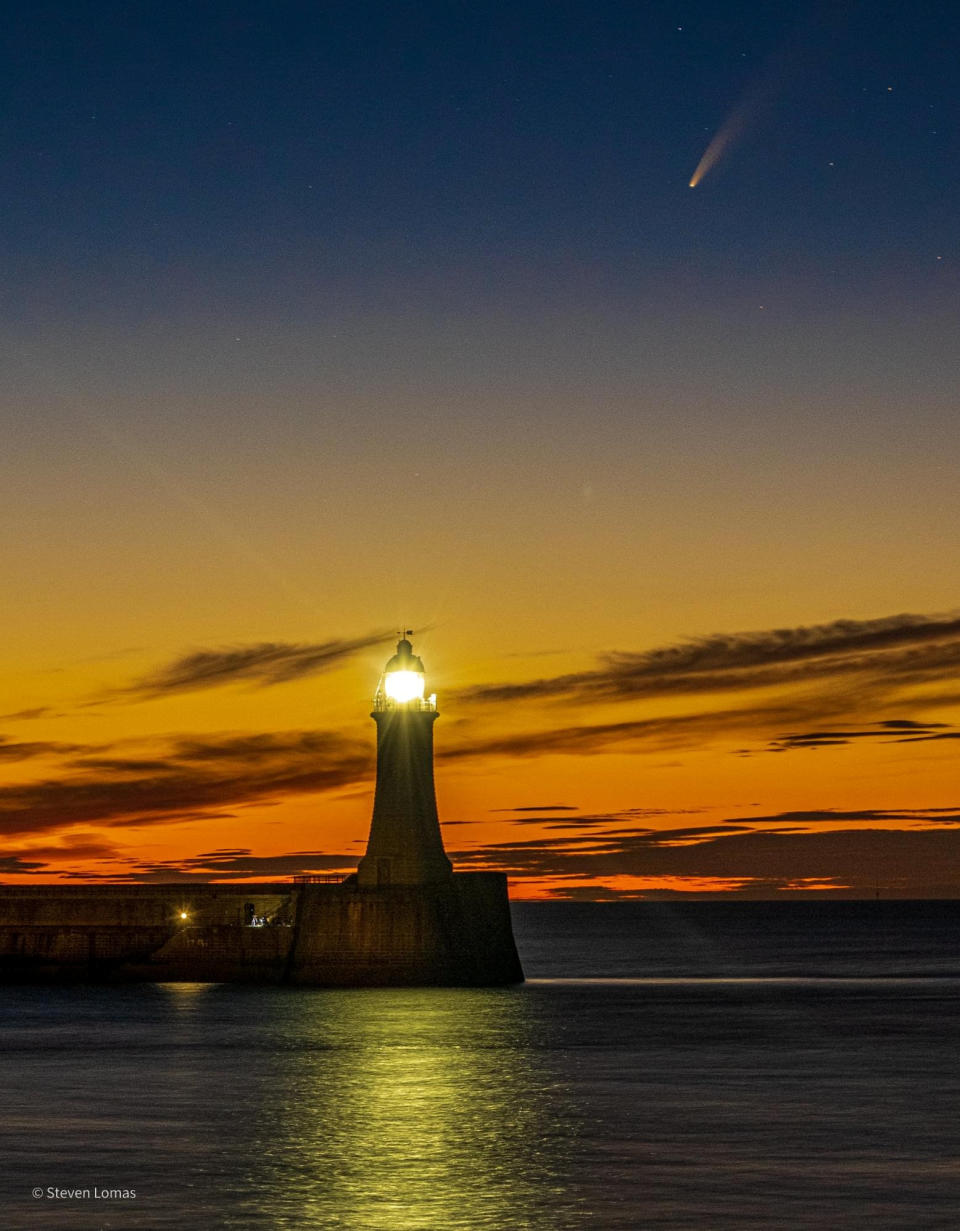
<point x="319" y="321"/>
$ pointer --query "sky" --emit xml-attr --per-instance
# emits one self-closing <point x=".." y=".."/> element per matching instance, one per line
<point x="320" y="321"/>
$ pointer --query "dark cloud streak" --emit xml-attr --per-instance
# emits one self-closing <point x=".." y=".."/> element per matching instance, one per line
<point x="911" y="649"/>
<point x="192" y="777"/>
<point x="920" y="861"/>
<point x="261" y="665"/>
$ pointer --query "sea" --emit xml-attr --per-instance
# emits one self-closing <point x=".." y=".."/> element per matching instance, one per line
<point x="667" y="1065"/>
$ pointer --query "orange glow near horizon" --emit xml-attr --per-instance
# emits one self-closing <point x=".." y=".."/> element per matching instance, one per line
<point x="818" y="759"/>
<point x="636" y="693"/>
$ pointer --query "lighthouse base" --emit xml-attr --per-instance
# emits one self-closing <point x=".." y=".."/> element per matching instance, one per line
<point x="455" y="933"/>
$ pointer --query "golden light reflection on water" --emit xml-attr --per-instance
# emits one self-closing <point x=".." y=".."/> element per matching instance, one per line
<point x="412" y="1109"/>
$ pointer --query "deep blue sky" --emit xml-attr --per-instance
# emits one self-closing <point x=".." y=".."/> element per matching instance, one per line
<point x="152" y="153"/>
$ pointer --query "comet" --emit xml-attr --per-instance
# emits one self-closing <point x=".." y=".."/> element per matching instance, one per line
<point x="752" y="105"/>
<point x="732" y="127"/>
<point x="801" y="50"/>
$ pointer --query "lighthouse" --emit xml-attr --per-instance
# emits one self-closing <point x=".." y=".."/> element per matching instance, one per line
<point x="405" y="846"/>
<point x="404" y="918"/>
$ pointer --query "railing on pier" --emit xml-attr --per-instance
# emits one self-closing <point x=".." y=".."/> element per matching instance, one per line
<point x="326" y="878"/>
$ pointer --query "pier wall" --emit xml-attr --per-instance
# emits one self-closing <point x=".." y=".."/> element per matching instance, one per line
<point x="456" y="932"/>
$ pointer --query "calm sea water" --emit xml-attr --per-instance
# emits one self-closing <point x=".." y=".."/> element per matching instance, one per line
<point x="685" y="1066"/>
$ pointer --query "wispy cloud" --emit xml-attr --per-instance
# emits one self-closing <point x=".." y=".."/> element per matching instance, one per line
<point x="895" y="731"/>
<point x="907" y="649"/>
<point x="672" y="731"/>
<point x="539" y="808"/>
<point x="833" y="684"/>
<point x="187" y="778"/>
<point x="50" y="856"/>
<point x="261" y="665"/>
<point x="759" y="855"/>
<point x="242" y="864"/>
<point x="929" y="816"/>
<point x="14" y="865"/>
<point x="23" y="750"/>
